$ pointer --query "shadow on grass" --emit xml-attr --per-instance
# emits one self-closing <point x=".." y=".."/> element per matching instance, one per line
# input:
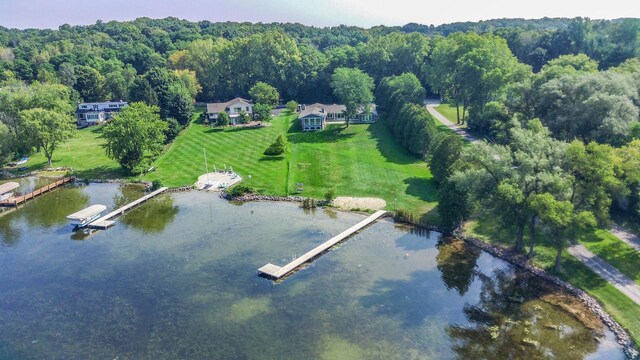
<point x="271" y="158"/>
<point x="214" y="130"/>
<point x="333" y="133"/>
<point x="422" y="188"/>
<point x="388" y="146"/>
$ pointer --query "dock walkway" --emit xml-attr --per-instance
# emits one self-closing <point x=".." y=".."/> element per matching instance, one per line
<point x="105" y="221"/>
<point x="277" y="272"/>
<point x="17" y="200"/>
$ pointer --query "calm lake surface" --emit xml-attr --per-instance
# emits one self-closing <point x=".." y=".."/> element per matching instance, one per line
<point x="176" y="279"/>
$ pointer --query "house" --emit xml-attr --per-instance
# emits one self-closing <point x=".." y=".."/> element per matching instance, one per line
<point x="94" y="113"/>
<point x="316" y="116"/>
<point x="232" y="107"/>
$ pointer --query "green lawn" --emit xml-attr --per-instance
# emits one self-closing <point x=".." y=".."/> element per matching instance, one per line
<point x="83" y="153"/>
<point x="615" y="252"/>
<point x="449" y="111"/>
<point x="623" y="309"/>
<point x="238" y="147"/>
<point x="362" y="160"/>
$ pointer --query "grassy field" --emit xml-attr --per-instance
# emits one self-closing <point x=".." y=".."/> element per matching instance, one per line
<point x="83" y="153"/>
<point x="362" y="160"/>
<point x="624" y="310"/>
<point x="449" y="111"/>
<point x="615" y="252"/>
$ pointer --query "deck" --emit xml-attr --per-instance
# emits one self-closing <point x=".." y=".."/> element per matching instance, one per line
<point x="105" y="222"/>
<point x="18" y="200"/>
<point x="277" y="272"/>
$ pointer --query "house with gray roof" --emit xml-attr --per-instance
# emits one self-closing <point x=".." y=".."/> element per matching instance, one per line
<point x="316" y="116"/>
<point x="232" y="107"/>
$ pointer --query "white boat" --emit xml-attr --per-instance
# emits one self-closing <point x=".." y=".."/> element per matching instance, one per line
<point x="6" y="190"/>
<point x="86" y="216"/>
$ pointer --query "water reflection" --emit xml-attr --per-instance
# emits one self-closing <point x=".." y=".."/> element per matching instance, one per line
<point x="52" y="208"/>
<point x="457" y="263"/>
<point x="509" y="320"/>
<point x="154" y="216"/>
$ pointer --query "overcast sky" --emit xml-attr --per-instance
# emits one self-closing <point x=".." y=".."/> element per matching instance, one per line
<point x="366" y="13"/>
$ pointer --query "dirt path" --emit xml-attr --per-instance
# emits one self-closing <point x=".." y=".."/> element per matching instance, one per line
<point x="607" y="272"/>
<point x="358" y="203"/>
<point x="431" y="104"/>
<point x="626" y="236"/>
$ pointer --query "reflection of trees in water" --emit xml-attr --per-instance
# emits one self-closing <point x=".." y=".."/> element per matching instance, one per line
<point x="52" y="208"/>
<point x="506" y="324"/>
<point x="9" y="235"/>
<point x="457" y="263"/>
<point x="152" y="216"/>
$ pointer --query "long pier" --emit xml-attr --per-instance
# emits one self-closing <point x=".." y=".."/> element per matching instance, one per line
<point x="276" y="272"/>
<point x="17" y="200"/>
<point x="105" y="222"/>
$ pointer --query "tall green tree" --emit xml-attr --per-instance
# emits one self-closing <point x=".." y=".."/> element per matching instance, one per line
<point x="135" y="132"/>
<point x="354" y="89"/>
<point x="47" y="129"/>
<point x="263" y="93"/>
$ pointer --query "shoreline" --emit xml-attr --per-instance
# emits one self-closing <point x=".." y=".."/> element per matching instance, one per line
<point x="622" y="337"/>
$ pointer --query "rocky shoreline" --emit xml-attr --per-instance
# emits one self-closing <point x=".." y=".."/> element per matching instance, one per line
<point x="519" y="261"/>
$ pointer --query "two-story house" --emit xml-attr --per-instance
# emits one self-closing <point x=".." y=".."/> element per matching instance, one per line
<point x="94" y="113"/>
<point x="232" y="107"/>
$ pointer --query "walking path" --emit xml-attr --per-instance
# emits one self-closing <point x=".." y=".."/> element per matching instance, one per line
<point x="607" y="272"/>
<point x="431" y="105"/>
<point x="626" y="236"/>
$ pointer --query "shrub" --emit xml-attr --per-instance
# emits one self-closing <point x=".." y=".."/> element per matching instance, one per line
<point x="330" y="195"/>
<point x="223" y="119"/>
<point x="156" y="184"/>
<point x="278" y="147"/>
<point x="292" y="106"/>
<point x="240" y="190"/>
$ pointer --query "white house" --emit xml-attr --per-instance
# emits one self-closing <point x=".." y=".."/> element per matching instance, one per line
<point x="97" y="112"/>
<point x="316" y="116"/>
<point x="232" y="107"/>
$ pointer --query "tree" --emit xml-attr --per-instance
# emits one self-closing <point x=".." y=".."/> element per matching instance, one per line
<point x="244" y="117"/>
<point x="6" y="143"/>
<point x="47" y="129"/>
<point x="263" y="93"/>
<point x="444" y="154"/>
<point x="172" y="131"/>
<point x="562" y="222"/>
<point x="89" y="83"/>
<point x="354" y="89"/>
<point x="278" y="147"/>
<point x="141" y="91"/>
<point x="223" y="119"/>
<point x="180" y="105"/>
<point x="262" y="112"/>
<point x="136" y="131"/>
<point x="292" y="106"/>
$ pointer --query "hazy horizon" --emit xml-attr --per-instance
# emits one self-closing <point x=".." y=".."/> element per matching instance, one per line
<point x="27" y="14"/>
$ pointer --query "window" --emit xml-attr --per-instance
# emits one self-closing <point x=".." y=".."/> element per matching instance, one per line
<point x="237" y="109"/>
<point x="83" y="106"/>
<point x="248" y="109"/>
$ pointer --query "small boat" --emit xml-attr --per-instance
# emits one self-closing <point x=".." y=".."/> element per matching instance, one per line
<point x="22" y="161"/>
<point x="86" y="216"/>
<point x="6" y="189"/>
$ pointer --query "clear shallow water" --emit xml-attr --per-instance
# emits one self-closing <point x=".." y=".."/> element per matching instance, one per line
<point x="176" y="278"/>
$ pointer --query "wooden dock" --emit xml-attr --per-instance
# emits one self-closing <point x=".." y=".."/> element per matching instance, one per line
<point x="18" y="200"/>
<point x="105" y="222"/>
<point x="276" y="272"/>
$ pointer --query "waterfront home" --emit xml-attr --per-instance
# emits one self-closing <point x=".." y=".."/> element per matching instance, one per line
<point x="94" y="113"/>
<point x="232" y="107"/>
<point x="316" y="116"/>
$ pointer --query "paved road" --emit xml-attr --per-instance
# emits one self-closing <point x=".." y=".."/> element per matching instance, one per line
<point x="626" y="236"/>
<point x="431" y="104"/>
<point x="607" y="272"/>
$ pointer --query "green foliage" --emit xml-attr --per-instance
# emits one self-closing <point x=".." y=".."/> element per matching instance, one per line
<point x="136" y="131"/>
<point x="330" y="195"/>
<point x="353" y="88"/>
<point x="223" y="119"/>
<point x="278" y="147"/>
<point x="292" y="106"/>
<point x="6" y="143"/>
<point x="263" y="93"/>
<point x="240" y="190"/>
<point x="244" y="117"/>
<point x="156" y="184"/>
<point x="262" y="112"/>
<point x="47" y="129"/>
<point x="180" y="105"/>
<point x="172" y="131"/>
<point x="445" y="152"/>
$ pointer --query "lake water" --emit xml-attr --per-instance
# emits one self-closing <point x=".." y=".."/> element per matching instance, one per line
<point x="176" y="279"/>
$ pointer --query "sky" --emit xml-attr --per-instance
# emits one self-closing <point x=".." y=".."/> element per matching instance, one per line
<point x="366" y="13"/>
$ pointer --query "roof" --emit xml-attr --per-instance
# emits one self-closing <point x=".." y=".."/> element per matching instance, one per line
<point x="87" y="213"/>
<point x="8" y="186"/>
<point x="323" y="109"/>
<point x="213" y="108"/>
